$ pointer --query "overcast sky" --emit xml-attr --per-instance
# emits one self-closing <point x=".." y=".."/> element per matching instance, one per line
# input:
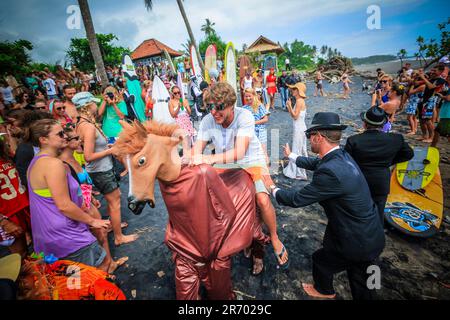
<point x="340" y="24"/>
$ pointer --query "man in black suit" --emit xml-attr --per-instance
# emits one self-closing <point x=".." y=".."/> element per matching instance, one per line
<point x="375" y="151"/>
<point x="354" y="237"/>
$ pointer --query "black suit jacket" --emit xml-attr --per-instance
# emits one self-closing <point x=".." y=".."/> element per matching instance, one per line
<point x="375" y="151"/>
<point x="354" y="229"/>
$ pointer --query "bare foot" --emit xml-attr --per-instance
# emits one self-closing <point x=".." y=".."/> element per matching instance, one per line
<point x="312" y="292"/>
<point x="115" y="264"/>
<point x="125" y="239"/>
<point x="278" y="248"/>
<point x="410" y="133"/>
<point x="258" y="266"/>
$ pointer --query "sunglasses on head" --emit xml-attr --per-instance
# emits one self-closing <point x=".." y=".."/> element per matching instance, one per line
<point x="217" y="107"/>
<point x="73" y="138"/>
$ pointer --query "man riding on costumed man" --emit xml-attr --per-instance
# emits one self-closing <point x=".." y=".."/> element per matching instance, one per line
<point x="231" y="129"/>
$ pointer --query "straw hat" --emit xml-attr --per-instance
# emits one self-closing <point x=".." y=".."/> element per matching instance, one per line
<point x="301" y="87"/>
<point x="10" y="267"/>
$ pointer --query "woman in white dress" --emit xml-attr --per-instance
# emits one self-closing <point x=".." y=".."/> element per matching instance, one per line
<point x="298" y="113"/>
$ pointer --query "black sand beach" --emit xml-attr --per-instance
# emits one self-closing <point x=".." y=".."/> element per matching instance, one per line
<point x="410" y="268"/>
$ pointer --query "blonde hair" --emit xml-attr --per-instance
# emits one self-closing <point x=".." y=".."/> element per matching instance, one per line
<point x="114" y="91"/>
<point x="86" y="114"/>
<point x="256" y="103"/>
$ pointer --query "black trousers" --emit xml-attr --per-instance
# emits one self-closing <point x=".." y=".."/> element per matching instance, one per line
<point x="380" y="201"/>
<point x="327" y="263"/>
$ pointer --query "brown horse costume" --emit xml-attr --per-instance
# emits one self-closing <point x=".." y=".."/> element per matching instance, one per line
<point x="212" y="214"/>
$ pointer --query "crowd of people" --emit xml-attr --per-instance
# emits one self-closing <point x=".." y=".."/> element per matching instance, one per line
<point x="58" y="129"/>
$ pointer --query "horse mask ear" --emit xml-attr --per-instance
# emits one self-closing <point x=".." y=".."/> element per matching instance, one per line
<point x="140" y="129"/>
<point x="177" y="137"/>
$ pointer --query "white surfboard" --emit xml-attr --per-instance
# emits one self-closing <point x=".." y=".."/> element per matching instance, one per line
<point x="195" y="65"/>
<point x="161" y="107"/>
<point x="128" y="67"/>
<point x="180" y="85"/>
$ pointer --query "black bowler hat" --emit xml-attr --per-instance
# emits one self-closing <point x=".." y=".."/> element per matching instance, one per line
<point x="326" y="121"/>
<point x="374" y="116"/>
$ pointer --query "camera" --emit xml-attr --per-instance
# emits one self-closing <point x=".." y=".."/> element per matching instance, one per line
<point x="110" y="95"/>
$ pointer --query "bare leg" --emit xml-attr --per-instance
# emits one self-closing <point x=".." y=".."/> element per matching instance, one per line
<point x="113" y="200"/>
<point x="269" y="218"/>
<point x="430" y="129"/>
<point x="435" y="139"/>
<point x="424" y="129"/>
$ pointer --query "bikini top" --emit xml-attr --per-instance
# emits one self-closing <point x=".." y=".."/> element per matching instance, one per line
<point x="81" y="177"/>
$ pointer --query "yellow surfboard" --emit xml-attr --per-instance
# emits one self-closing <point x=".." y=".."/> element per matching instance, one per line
<point x="417" y="213"/>
<point x="418" y="172"/>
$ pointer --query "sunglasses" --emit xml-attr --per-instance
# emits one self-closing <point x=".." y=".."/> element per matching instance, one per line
<point x="384" y="81"/>
<point x="176" y="92"/>
<point x="60" y="108"/>
<point x="73" y="138"/>
<point x="217" y="107"/>
<point x="39" y="108"/>
<point x="310" y="134"/>
<point x="61" y="134"/>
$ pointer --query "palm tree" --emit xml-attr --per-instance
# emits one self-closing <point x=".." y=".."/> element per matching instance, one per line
<point x="93" y="43"/>
<point x="207" y="28"/>
<point x="401" y="55"/>
<point x="149" y="6"/>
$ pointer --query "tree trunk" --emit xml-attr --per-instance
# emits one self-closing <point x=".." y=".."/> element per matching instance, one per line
<point x="191" y="35"/>
<point x="93" y="43"/>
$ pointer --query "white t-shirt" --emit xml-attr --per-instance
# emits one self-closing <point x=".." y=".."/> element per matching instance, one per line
<point x="7" y="93"/>
<point x="243" y="125"/>
<point x="287" y="61"/>
<point x="50" y="85"/>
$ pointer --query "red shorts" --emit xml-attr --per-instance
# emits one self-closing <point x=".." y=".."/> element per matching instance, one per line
<point x="271" y="90"/>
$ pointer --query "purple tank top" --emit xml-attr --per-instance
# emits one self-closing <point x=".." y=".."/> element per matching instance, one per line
<point x="53" y="232"/>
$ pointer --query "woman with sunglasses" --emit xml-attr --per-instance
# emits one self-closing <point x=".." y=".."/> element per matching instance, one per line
<point x="84" y="180"/>
<point x="59" y="224"/>
<point x="58" y="110"/>
<point x="179" y="110"/>
<point x="381" y="95"/>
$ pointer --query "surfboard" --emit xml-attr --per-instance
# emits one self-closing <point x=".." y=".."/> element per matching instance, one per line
<point x="210" y="61"/>
<point x="161" y="107"/>
<point x="245" y="66"/>
<point x="195" y="65"/>
<point x="230" y="66"/>
<point x="169" y="59"/>
<point x="418" y="172"/>
<point x="417" y="213"/>
<point x="133" y="86"/>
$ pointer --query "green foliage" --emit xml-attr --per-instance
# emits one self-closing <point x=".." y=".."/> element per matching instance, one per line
<point x="301" y="55"/>
<point x="434" y="48"/>
<point x="373" y="59"/>
<point x="79" y="52"/>
<point x="14" y="58"/>
<point x="207" y="28"/>
<point x="213" y="38"/>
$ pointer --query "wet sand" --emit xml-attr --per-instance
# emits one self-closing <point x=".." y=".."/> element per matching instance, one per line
<point x="411" y="268"/>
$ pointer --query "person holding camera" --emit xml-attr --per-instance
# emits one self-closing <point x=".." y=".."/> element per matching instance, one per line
<point x="112" y="109"/>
